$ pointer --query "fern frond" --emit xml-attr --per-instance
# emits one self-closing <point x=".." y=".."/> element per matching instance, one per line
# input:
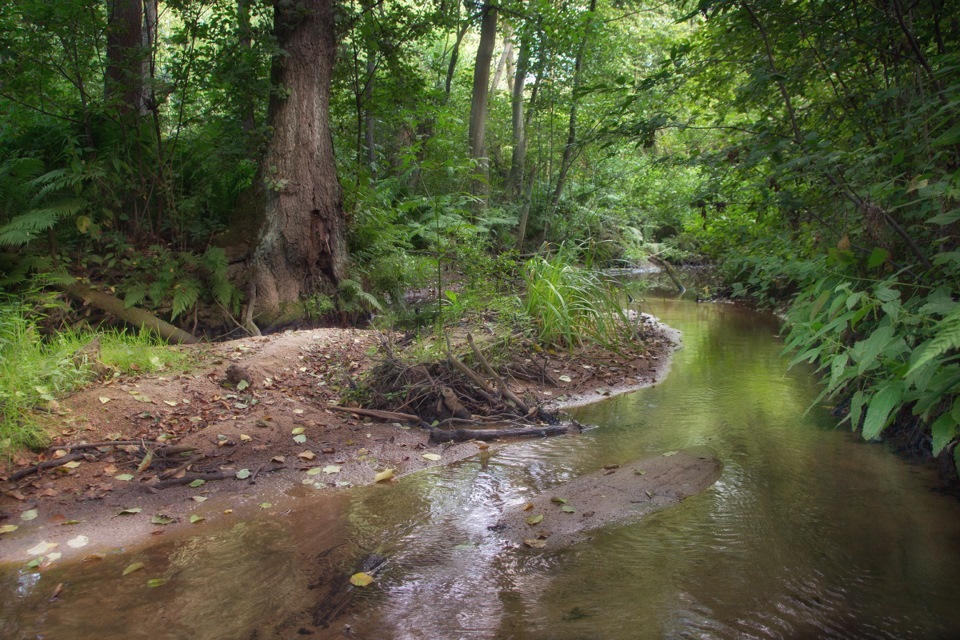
<point x="25" y="227"/>
<point x="946" y="337"/>
<point x="185" y="295"/>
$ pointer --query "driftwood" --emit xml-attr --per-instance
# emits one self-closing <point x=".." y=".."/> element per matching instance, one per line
<point x="133" y="315"/>
<point x="509" y="395"/>
<point x="462" y="435"/>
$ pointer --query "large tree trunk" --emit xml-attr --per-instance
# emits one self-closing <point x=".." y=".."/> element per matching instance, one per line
<point x="302" y="238"/>
<point x="519" y="159"/>
<point x="123" y="84"/>
<point x="481" y="86"/>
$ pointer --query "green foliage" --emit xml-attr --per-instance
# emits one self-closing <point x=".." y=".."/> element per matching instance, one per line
<point x="35" y="370"/>
<point x="571" y="305"/>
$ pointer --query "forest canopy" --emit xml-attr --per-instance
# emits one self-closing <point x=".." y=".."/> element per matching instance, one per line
<point x="225" y="163"/>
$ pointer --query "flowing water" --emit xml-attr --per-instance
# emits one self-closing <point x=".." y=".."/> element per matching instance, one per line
<point x="808" y="533"/>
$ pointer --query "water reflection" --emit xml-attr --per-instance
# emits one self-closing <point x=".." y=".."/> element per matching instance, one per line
<point x="808" y="533"/>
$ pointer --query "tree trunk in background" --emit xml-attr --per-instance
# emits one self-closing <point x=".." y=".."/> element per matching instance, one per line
<point x="505" y="61"/>
<point x="519" y="137"/>
<point x="570" y="147"/>
<point x="478" y="105"/>
<point x="245" y="40"/>
<point x="123" y="84"/>
<point x="301" y="249"/>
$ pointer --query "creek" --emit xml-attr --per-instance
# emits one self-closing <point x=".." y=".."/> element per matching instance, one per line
<point x="809" y="532"/>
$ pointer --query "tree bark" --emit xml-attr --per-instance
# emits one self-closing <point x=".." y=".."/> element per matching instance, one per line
<point x="481" y="86"/>
<point x="301" y="249"/>
<point x="519" y="137"/>
<point x="123" y="84"/>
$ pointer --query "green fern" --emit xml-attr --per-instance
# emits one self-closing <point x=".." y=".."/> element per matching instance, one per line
<point x="946" y="337"/>
<point x="185" y="295"/>
<point x="25" y="227"/>
<point x="352" y="291"/>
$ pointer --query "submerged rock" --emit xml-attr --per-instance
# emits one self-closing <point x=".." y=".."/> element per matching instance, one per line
<point x="616" y="495"/>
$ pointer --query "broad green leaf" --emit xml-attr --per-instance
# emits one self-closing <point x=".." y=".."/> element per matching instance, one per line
<point x="8" y="528"/>
<point x="194" y="519"/>
<point x="535" y="520"/>
<point x="944" y="430"/>
<point x="124" y="477"/>
<point x="199" y="482"/>
<point x="557" y="500"/>
<point x="243" y="474"/>
<point x="869" y="350"/>
<point x="136" y="566"/>
<point x="881" y="405"/>
<point x="129" y="511"/>
<point x="567" y="509"/>
<point x="161" y="519"/>
<point x="29" y="514"/>
<point x="297" y="431"/>
<point x="877" y="257"/>
<point x="300" y="438"/>
<point x="156" y="582"/>
<point x="331" y="468"/>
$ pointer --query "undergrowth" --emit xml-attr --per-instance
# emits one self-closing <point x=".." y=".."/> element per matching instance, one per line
<point x="35" y="370"/>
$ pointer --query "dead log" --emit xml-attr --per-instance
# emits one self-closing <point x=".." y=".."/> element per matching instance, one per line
<point x="187" y="479"/>
<point x="462" y="435"/>
<point x="133" y="315"/>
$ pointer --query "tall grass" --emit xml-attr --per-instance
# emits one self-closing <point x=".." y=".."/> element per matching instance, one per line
<point x="573" y="306"/>
<point x="35" y="371"/>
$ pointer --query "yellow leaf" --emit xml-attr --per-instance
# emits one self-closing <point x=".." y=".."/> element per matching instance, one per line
<point x="535" y="520"/>
<point x="361" y="579"/>
<point x="432" y="456"/>
<point x="386" y="474"/>
<point x="136" y="566"/>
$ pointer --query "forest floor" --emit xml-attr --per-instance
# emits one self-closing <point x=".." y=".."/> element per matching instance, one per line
<point x="248" y="444"/>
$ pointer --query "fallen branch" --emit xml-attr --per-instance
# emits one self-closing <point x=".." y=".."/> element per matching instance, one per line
<point x="188" y="478"/>
<point x="133" y="315"/>
<point x="94" y="445"/>
<point x="509" y="395"/>
<point x="376" y="413"/>
<point x="46" y="464"/>
<point x="462" y="435"/>
<point x="488" y="391"/>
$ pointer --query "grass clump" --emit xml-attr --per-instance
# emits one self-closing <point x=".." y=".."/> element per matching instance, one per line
<point x="572" y="305"/>
<point x="35" y="370"/>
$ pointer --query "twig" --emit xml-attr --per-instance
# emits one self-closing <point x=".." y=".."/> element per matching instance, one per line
<point x="462" y="435"/>
<point x="509" y="395"/>
<point x="94" y="445"/>
<point x="23" y="473"/>
<point x="375" y="413"/>
<point x="188" y="478"/>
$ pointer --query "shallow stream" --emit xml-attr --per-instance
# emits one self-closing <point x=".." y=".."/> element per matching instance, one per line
<point x="808" y="533"/>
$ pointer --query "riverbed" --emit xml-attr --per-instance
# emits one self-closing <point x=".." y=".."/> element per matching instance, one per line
<point x="809" y="532"/>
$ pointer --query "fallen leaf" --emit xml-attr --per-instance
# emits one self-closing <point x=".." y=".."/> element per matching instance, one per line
<point x="558" y="500"/>
<point x="535" y="520"/>
<point x="16" y="495"/>
<point x="28" y="515"/>
<point x="386" y="474"/>
<point x="245" y="438"/>
<point x="670" y="453"/>
<point x="53" y="557"/>
<point x="361" y="579"/>
<point x="136" y="566"/>
<point x="79" y="541"/>
<point x="125" y="477"/>
<point x="567" y="509"/>
<point x="243" y="474"/>
<point x="199" y="498"/>
<point x="432" y="456"/>
<point x="156" y="582"/>
<point x="266" y="505"/>
<point x="172" y="403"/>
<point x="297" y="431"/>
<point x="161" y="519"/>
<point x="8" y="528"/>
<point x="528" y="506"/>
<point x="278" y="459"/>
<point x="130" y="511"/>
<point x="69" y="522"/>
<point x="93" y="556"/>
<point x="312" y="471"/>
<point x="105" y="400"/>
<point x="565" y="379"/>
<point x="73" y="464"/>
<point x="535" y="543"/>
<point x="199" y="482"/>
<point x="332" y="468"/>
<point x="41" y="548"/>
<point x="307" y="455"/>
<point x="300" y="439"/>
<point x="194" y="519"/>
